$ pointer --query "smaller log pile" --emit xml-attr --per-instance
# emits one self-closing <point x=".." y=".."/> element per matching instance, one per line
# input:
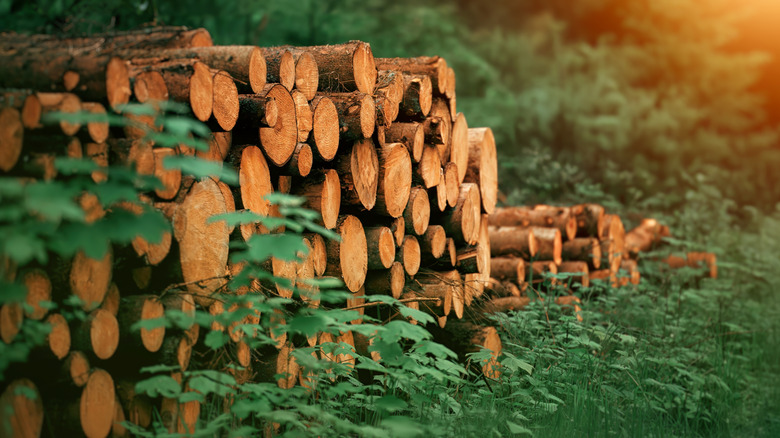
<point x="376" y="146"/>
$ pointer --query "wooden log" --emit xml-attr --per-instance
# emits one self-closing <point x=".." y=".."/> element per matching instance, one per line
<point x="452" y="184"/>
<point x="441" y="286"/>
<point x="583" y="249"/>
<point x="646" y="236"/>
<point x="203" y="246"/>
<point x="696" y="260"/>
<point x="225" y="106"/>
<point x="417" y="213"/>
<point x="255" y="110"/>
<point x="604" y="275"/>
<point x="39" y="288"/>
<point x="483" y="251"/>
<point x="357" y="114"/>
<point x="280" y="66"/>
<point x="542" y="216"/>
<point x="77" y="368"/>
<point x="549" y="244"/>
<point x="505" y="304"/>
<point x="67" y="103"/>
<point x="148" y="38"/>
<point x="410" y="135"/>
<point x="170" y="178"/>
<point x="560" y="218"/>
<point x="98" y="153"/>
<point x="386" y="281"/>
<point x="395" y="180"/>
<point x="84" y="277"/>
<point x="465" y="337"/>
<point x="463" y="221"/>
<point x="440" y="113"/>
<point x="307" y="75"/>
<point x="398" y="227"/>
<point x="579" y="272"/>
<point x="98" y="334"/>
<point x="325" y="127"/>
<point x="188" y="81"/>
<point x="450" y="90"/>
<point x="345" y="67"/>
<point x="141" y="308"/>
<point x="434" y="67"/>
<point x="459" y="146"/>
<point x="278" y="142"/>
<point x="418" y="96"/>
<point x="322" y="191"/>
<point x="348" y="259"/>
<point x="58" y="340"/>
<point x="439" y="194"/>
<point x="279" y="362"/>
<point x="483" y="166"/>
<point x="149" y="88"/>
<point x="301" y="161"/>
<point x="631" y="269"/>
<point x="112" y="299"/>
<point x="97" y="129"/>
<point x="11" y="138"/>
<point x="387" y="97"/>
<point x="508" y="269"/>
<point x="98" y="76"/>
<point x="26" y="102"/>
<point x="254" y="176"/>
<point x="613" y="237"/>
<point x="433" y="243"/>
<point x="590" y="219"/>
<point x="381" y="247"/>
<point x="540" y="269"/>
<point x="409" y="255"/>
<point x="21" y="409"/>
<point x="428" y="171"/>
<point x="359" y="173"/>
<point x="135" y="153"/>
<point x="303" y="115"/>
<point x="137" y="407"/>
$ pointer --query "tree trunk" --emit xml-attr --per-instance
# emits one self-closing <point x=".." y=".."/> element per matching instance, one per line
<point x="590" y="218"/>
<point x="482" y="166"/>
<point x="418" y="95"/>
<point x="548" y="243"/>
<point x="99" y="334"/>
<point x="508" y="269"/>
<point x="410" y="135"/>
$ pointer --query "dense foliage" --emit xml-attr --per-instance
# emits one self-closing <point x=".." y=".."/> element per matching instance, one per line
<point x="638" y="105"/>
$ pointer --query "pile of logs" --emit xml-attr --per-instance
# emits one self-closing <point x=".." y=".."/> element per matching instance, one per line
<point x="375" y="145"/>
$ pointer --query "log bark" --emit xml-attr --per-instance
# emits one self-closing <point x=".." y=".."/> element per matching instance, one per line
<point x="348" y="259"/>
<point x="579" y="272"/>
<point x="441" y="286"/>
<point x="395" y="180"/>
<point x="256" y="111"/>
<point x="432" y="66"/>
<point x="508" y="269"/>
<point x="583" y="249"/>
<point x="646" y="236"/>
<point x="357" y="114"/>
<point x="381" y="247"/>
<point x="301" y="161"/>
<point x="322" y="191"/>
<point x="433" y="242"/>
<point x="325" y="127"/>
<point x="549" y="244"/>
<point x="505" y="304"/>
<point x="440" y="112"/>
<point x="560" y="218"/>
<point x="138" y="154"/>
<point x="386" y="281"/>
<point x="417" y="213"/>
<point x="409" y="255"/>
<point x="483" y="166"/>
<point x="345" y="67"/>
<point x="280" y="66"/>
<point x="540" y="269"/>
<point x="439" y="194"/>
<point x="418" y="96"/>
<point x="203" y="246"/>
<point x="26" y="102"/>
<point x="516" y="241"/>
<point x="410" y="135"/>
<point x="188" y="81"/>
<point x="359" y="173"/>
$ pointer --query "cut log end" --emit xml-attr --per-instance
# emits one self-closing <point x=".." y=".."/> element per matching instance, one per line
<point x="11" y="137"/>
<point x="225" y="100"/>
<point x="418" y="211"/>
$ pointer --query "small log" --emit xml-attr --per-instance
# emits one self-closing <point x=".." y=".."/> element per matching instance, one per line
<point x="452" y="183"/>
<point x="410" y="135"/>
<point x="505" y="304"/>
<point x="432" y="66"/>
<point x="26" y="102"/>
<point x="409" y="255"/>
<point x="359" y="173"/>
<point x="459" y="147"/>
<point x="170" y="178"/>
<point x="112" y="299"/>
<point x="630" y="267"/>
<point x="11" y="138"/>
<point x="441" y="113"/>
<point x="39" y="288"/>
<point x="433" y="242"/>
<point x="301" y="162"/>
<point x="345" y="67"/>
<point x="398" y="227"/>
<point x="322" y="191"/>
<point x="84" y="277"/>
<point x="540" y="269"/>
<point x="417" y="213"/>
<point x="583" y="249"/>
<point x="443" y="286"/>
<point x="386" y="281"/>
<point x="76" y="366"/>
<point x="348" y="259"/>
<point x="395" y="180"/>
<point x="357" y="114"/>
<point x="700" y="260"/>
<point x="319" y="254"/>
<point x="463" y="221"/>
<point x="417" y="97"/>
<point x="390" y="91"/>
<point x="439" y="194"/>
<point x="646" y="236"/>
<point x="324" y="135"/>
<point x="279" y="362"/>
<point x="381" y="247"/>
<point x="279" y="141"/>
<point x="303" y="115"/>
<point x="188" y="81"/>
<point x="21" y="409"/>
<point x="549" y="245"/>
<point x="99" y="333"/>
<point x="254" y="176"/>
<point x="59" y="338"/>
<point x="560" y="218"/>
<point x="590" y="219"/>
<point x="508" y="269"/>
<point x="97" y="129"/>
<point x="280" y="66"/>
<point x="613" y="240"/>
<point x="503" y="289"/>
<point x="579" y="271"/>
<point x="483" y="166"/>
<point x="255" y="111"/>
<point x="67" y="103"/>
<point x="225" y="105"/>
<point x="428" y="171"/>
<point x="141" y="308"/>
<point x="307" y="75"/>
<point x="135" y="153"/>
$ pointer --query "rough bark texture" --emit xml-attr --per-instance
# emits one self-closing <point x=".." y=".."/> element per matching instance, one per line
<point x="345" y="67"/>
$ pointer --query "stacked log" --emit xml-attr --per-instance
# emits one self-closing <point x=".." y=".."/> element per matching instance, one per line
<point x="373" y="145"/>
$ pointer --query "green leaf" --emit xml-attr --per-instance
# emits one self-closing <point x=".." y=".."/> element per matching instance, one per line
<point x="200" y="168"/>
<point x="390" y="403"/>
<point x="159" y="386"/>
<point x="518" y="429"/>
<point x="215" y="339"/>
<point x="402" y="426"/>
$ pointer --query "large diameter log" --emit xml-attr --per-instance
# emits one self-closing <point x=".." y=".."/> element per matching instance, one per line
<point x="279" y="141"/>
<point x="483" y="166"/>
<point x="322" y="191"/>
<point x="549" y="244"/>
<point x="359" y="173"/>
<point x="11" y="138"/>
<point x="590" y="218"/>
<point x="96" y="405"/>
<point x="225" y="105"/>
<point x="578" y="272"/>
<point x="99" y="333"/>
<point x="395" y="180"/>
<point x="190" y="82"/>
<point x="647" y="235"/>
<point x="149" y="38"/>
<point x="463" y="221"/>
<point x="307" y="75"/>
<point x="348" y="259"/>
<point x="357" y="114"/>
<point x="417" y="213"/>
<point x="280" y="66"/>
<point x="324" y="134"/>
<point x="434" y="67"/>
<point x="508" y="269"/>
<point x="410" y="135"/>
<point x="87" y="278"/>
<point x="386" y="281"/>
<point x="459" y="146"/>
<point x="381" y="247"/>
<point x="21" y="410"/>
<point x="409" y="255"/>
<point x="427" y="172"/>
<point x="516" y="241"/>
<point x="141" y="308"/>
<point x="418" y="96"/>
<point x="98" y="76"/>
<point x="254" y="179"/>
<point x="583" y="249"/>
<point x="26" y="102"/>
<point x="345" y="67"/>
<point x="203" y="246"/>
